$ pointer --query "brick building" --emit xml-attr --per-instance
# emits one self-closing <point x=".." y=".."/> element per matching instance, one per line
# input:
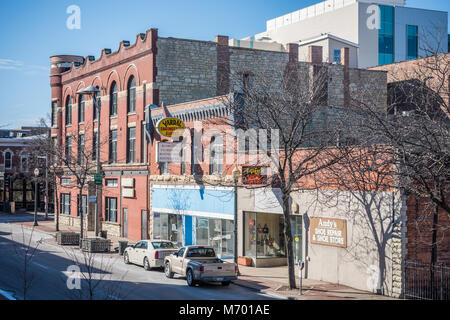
<point x="16" y="183"/>
<point x="434" y="72"/>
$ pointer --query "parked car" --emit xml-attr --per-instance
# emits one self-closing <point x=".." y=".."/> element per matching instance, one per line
<point x="199" y="263"/>
<point x="149" y="253"/>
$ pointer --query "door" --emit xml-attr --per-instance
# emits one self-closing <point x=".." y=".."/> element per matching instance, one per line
<point x="177" y="262"/>
<point x="125" y="222"/>
<point x="144" y="218"/>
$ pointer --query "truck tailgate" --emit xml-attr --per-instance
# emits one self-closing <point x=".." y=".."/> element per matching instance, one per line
<point x="219" y="269"/>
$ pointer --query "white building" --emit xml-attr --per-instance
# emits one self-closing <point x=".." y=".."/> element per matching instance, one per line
<point x="383" y="31"/>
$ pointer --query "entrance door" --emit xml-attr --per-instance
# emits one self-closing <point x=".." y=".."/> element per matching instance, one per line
<point x="125" y="222"/>
<point x="215" y="235"/>
<point x="296" y="229"/>
<point x="144" y="216"/>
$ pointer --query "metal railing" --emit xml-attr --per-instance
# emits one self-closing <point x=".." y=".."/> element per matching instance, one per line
<point x="425" y="281"/>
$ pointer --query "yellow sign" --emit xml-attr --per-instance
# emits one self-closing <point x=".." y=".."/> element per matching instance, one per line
<point x="170" y="127"/>
<point x="297" y="239"/>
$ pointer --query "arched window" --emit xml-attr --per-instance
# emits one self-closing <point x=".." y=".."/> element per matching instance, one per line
<point x="113" y="99"/>
<point x="81" y="108"/>
<point x="8" y="159"/>
<point x="131" y="95"/>
<point x="216" y="155"/>
<point x="95" y="106"/>
<point x="68" y="110"/>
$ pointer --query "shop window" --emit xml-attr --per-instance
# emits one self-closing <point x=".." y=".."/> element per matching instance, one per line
<point x="218" y="233"/>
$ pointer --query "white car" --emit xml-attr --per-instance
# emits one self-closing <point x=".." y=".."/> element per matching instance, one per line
<point x="149" y="253"/>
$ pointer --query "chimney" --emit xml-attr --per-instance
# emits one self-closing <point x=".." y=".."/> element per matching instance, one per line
<point x="345" y="61"/>
<point x="315" y="55"/>
<point x="292" y="48"/>
<point x="223" y="65"/>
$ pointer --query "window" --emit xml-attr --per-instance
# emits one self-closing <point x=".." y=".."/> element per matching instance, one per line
<point x="131" y="95"/>
<point x="54" y="113"/>
<point x="94" y="146"/>
<point x="131" y="145"/>
<point x="216" y="155"/>
<point x="81" y="108"/>
<point x="164" y="168"/>
<point x="68" y="150"/>
<point x="111" y="182"/>
<point x="413" y="42"/>
<point x="8" y="159"/>
<point x="113" y="100"/>
<point x="66" y="181"/>
<point x="111" y="209"/>
<point x="68" y="110"/>
<point x="81" y="143"/>
<point x="83" y="205"/>
<point x="113" y="146"/>
<point x="386" y="35"/>
<point x="95" y="107"/>
<point x="184" y="159"/>
<point x="65" y="203"/>
<point x="24" y="163"/>
<point x="337" y="56"/>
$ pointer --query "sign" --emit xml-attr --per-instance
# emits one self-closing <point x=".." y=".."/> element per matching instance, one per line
<point x="329" y="232"/>
<point x="169" y="152"/>
<point x="36" y="172"/>
<point x="170" y="127"/>
<point x="297" y="239"/>
<point x="253" y="175"/>
<point x="98" y="179"/>
<point x="92" y="199"/>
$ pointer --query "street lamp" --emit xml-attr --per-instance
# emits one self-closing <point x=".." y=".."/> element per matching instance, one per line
<point x="36" y="175"/>
<point x="93" y="91"/>
<point x="236" y="174"/>
<point x="46" y="184"/>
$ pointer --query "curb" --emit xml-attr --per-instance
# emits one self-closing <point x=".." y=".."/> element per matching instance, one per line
<point x="264" y="291"/>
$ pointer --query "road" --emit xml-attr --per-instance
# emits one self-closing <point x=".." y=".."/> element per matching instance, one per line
<point x="48" y="271"/>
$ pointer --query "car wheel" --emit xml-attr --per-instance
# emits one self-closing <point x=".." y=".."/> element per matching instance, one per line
<point x="146" y="264"/>
<point x="167" y="271"/>
<point x="190" y="278"/>
<point x="225" y="283"/>
<point x="126" y="259"/>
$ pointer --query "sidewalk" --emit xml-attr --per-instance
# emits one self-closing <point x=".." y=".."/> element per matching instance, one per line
<point x="274" y="281"/>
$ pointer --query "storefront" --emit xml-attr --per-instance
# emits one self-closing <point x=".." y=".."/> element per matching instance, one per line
<point x="194" y="215"/>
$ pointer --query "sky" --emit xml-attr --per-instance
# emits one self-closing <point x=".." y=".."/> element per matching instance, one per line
<point x="33" y="30"/>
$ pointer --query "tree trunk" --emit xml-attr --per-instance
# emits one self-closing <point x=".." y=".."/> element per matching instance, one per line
<point x="288" y="241"/>
<point x="80" y="212"/>
<point x="56" y="207"/>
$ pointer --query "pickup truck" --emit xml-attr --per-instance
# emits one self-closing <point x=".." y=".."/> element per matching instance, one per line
<point x="198" y="264"/>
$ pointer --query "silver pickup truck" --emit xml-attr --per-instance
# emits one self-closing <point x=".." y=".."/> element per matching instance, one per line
<point x="199" y="263"/>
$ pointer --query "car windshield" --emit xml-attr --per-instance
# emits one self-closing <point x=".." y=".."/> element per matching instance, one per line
<point x="201" y="253"/>
<point x="163" y="245"/>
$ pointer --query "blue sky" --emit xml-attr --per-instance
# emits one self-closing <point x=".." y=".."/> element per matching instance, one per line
<point x="33" y="30"/>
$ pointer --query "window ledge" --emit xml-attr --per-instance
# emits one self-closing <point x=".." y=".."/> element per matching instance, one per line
<point x="131" y="113"/>
<point x="113" y="117"/>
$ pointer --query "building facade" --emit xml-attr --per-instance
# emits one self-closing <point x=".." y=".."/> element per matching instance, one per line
<point x="385" y="31"/>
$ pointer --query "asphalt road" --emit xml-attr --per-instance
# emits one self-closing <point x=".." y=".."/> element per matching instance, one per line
<point x="46" y="271"/>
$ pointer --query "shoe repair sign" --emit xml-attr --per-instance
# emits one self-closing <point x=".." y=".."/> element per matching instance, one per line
<point x="329" y="232"/>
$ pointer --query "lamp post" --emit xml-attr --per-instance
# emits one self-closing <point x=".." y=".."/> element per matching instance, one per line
<point x="36" y="175"/>
<point x="93" y="91"/>
<point x="236" y="174"/>
<point x="46" y="184"/>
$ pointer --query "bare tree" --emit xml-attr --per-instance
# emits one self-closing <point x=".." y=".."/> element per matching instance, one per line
<point x="291" y="108"/>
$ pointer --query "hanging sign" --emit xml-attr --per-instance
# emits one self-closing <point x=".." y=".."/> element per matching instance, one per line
<point x="170" y="127"/>
<point x="253" y="175"/>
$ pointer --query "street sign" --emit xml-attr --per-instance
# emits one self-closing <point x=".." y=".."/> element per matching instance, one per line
<point x="92" y="199"/>
<point x="98" y="179"/>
